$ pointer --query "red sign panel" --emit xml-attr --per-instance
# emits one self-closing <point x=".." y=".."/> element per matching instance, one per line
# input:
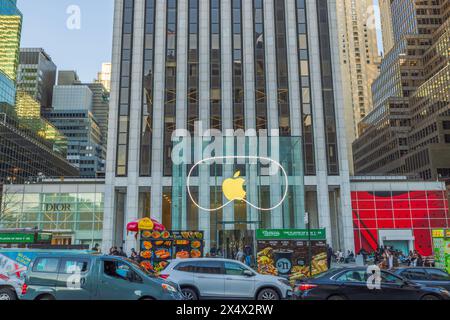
<point x="420" y="211"/>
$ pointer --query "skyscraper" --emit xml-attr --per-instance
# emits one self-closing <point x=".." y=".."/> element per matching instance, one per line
<point x="231" y="65"/>
<point x="37" y="75"/>
<point x="29" y="145"/>
<point x="408" y="132"/>
<point x="72" y="115"/>
<point x="104" y="76"/>
<point x="10" y="30"/>
<point x="360" y="61"/>
<point x="386" y="20"/>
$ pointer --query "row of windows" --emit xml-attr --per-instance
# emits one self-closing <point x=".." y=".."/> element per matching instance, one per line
<point x="170" y="96"/>
<point x="125" y="86"/>
<point x="147" y="105"/>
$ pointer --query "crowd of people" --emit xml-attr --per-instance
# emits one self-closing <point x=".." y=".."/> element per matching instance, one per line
<point x="385" y="257"/>
<point x="119" y="252"/>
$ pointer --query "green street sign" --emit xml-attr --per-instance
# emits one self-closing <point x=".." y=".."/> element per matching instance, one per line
<point x="44" y="237"/>
<point x="16" y="238"/>
<point x="290" y="234"/>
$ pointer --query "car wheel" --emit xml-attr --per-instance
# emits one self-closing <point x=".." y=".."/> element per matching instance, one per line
<point x="189" y="294"/>
<point x="268" y="294"/>
<point x="7" y="294"/>
<point x="336" y="297"/>
<point x="430" y="297"/>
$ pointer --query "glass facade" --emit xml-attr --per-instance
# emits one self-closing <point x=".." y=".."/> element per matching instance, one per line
<point x="419" y="211"/>
<point x="257" y="175"/>
<point x="29" y="147"/>
<point x="147" y="105"/>
<point x="125" y="88"/>
<point x="10" y="31"/>
<point x="77" y="215"/>
<point x="7" y="90"/>
<point x="327" y="88"/>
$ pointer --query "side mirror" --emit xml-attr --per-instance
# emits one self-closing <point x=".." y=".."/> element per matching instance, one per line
<point x="248" y="273"/>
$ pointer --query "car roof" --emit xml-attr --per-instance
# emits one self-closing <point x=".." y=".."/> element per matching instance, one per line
<point x="67" y="254"/>
<point x="202" y="259"/>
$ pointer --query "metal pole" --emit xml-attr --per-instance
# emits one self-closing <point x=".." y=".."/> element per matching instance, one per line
<point x="309" y="248"/>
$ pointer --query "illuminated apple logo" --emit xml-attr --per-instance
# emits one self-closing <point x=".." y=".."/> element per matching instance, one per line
<point x="233" y="188"/>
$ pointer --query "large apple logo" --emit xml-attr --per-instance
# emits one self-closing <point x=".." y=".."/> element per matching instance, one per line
<point x="233" y="188"/>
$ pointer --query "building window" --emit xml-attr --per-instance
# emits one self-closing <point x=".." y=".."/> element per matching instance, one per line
<point x="305" y="89"/>
<point x="147" y="105"/>
<point x="215" y="67"/>
<point x="260" y="66"/>
<point x="238" y="79"/>
<point x="125" y="86"/>
<point x="171" y="84"/>
<point x="327" y="88"/>
<point x="192" y="78"/>
<point x="282" y="68"/>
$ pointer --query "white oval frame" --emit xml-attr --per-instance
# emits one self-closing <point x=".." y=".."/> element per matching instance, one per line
<point x="250" y="204"/>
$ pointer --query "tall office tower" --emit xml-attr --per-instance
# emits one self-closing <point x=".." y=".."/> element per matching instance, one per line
<point x="37" y="75"/>
<point x="104" y="76"/>
<point x="386" y="22"/>
<point x="10" y="30"/>
<point x="100" y="107"/>
<point x="99" y="99"/>
<point x="408" y="132"/>
<point x="72" y="115"/>
<point x="183" y="67"/>
<point x="360" y="61"/>
<point x="68" y="78"/>
<point x="29" y="145"/>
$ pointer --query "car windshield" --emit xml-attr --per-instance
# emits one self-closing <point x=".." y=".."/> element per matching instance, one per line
<point x="137" y="265"/>
<point x="330" y="272"/>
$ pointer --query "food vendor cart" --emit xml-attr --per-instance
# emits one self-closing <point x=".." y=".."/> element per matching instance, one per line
<point x="286" y="252"/>
<point x="158" y="245"/>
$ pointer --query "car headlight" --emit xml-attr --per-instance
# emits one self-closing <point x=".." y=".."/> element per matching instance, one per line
<point x="285" y="282"/>
<point x="168" y="287"/>
<point x="445" y="291"/>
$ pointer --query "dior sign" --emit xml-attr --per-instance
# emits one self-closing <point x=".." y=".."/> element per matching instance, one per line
<point x="58" y="207"/>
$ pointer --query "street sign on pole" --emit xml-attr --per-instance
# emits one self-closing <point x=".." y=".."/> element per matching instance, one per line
<point x="306" y="218"/>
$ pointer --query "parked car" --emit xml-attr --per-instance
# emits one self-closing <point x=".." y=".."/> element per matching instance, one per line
<point x="431" y="277"/>
<point x="13" y="266"/>
<point x="9" y="288"/>
<point x="216" y="278"/>
<point x="93" y="277"/>
<point x="352" y="284"/>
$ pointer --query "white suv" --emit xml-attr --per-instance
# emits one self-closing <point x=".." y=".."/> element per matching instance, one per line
<point x="211" y="278"/>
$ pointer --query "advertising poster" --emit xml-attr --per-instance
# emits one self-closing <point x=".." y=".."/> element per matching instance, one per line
<point x="286" y="253"/>
<point x="441" y="248"/>
<point x="187" y="244"/>
<point x="13" y="265"/>
<point x="156" y="249"/>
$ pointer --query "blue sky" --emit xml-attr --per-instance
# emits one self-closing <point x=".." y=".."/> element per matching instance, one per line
<point x="84" y="49"/>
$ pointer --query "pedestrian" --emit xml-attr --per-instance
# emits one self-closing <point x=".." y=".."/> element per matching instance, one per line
<point x="134" y="256"/>
<point x="122" y="253"/>
<point x="213" y="250"/>
<point x="96" y="247"/>
<point x="248" y="255"/>
<point x="390" y="259"/>
<point x="240" y="255"/>
<point x="329" y="255"/>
